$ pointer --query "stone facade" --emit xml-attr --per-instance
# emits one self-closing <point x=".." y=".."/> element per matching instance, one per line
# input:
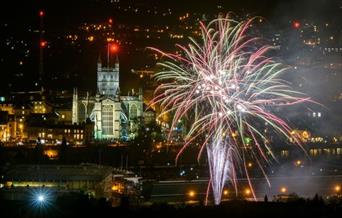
<point x="116" y="117"/>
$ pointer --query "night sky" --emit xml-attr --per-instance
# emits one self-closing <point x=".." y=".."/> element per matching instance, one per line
<point x="62" y="17"/>
<point x="64" y="12"/>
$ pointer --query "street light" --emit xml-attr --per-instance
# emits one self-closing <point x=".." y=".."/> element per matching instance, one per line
<point x="247" y="191"/>
<point x="283" y="190"/>
<point x="192" y="193"/>
<point x="337" y="188"/>
<point x="41" y="198"/>
<point x="298" y="162"/>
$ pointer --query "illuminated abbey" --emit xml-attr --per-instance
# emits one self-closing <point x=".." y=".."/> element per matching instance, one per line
<point x="116" y="117"/>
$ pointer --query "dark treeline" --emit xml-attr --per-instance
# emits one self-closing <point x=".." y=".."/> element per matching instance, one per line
<point x="81" y="206"/>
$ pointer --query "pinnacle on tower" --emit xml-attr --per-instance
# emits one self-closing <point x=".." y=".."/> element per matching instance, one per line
<point x="117" y="65"/>
<point x="99" y="63"/>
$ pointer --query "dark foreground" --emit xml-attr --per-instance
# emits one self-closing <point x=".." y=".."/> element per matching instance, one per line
<point x="81" y="206"/>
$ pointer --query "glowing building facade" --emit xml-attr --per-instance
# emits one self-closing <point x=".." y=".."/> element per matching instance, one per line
<point x="115" y="116"/>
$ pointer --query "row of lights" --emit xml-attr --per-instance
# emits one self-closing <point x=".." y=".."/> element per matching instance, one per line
<point x="192" y="193"/>
<point x="248" y="192"/>
<point x="41" y="198"/>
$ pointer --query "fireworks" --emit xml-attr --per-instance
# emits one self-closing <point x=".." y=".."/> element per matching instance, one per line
<point x="227" y="87"/>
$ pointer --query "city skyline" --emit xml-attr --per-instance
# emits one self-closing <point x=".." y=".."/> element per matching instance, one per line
<point x="140" y="102"/>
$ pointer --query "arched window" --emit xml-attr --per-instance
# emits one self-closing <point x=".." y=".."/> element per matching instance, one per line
<point x="133" y="112"/>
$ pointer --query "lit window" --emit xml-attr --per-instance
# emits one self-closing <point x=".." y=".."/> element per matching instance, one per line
<point x="339" y="151"/>
<point x="314" y="152"/>
<point x="326" y="151"/>
<point x="284" y="153"/>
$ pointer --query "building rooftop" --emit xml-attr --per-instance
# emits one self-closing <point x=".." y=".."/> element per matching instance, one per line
<point x="89" y="172"/>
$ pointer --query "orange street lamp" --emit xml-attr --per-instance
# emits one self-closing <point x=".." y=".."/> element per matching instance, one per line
<point x="247" y="191"/>
<point x="283" y="190"/>
<point x="192" y="193"/>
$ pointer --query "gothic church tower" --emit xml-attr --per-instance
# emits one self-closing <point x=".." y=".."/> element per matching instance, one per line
<point x="108" y="79"/>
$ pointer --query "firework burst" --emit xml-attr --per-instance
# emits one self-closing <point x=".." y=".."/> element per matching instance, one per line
<point x="227" y="86"/>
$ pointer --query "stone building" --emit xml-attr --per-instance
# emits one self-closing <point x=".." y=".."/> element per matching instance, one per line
<point x="116" y="117"/>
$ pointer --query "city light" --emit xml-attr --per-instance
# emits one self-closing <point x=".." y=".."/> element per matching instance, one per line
<point x="296" y="24"/>
<point x="298" y="162"/>
<point x="110" y="39"/>
<point x="247" y="191"/>
<point x="114" y="48"/>
<point x="41" y="198"/>
<point x="283" y="190"/>
<point x="90" y="38"/>
<point x="51" y="153"/>
<point x="43" y="44"/>
<point x="191" y="193"/>
<point x="132" y="104"/>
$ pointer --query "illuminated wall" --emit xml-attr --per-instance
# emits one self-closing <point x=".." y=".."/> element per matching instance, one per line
<point x="114" y="116"/>
<point x="108" y="79"/>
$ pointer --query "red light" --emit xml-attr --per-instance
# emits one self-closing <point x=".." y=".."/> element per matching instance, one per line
<point x="110" y="20"/>
<point x="296" y="24"/>
<point x="41" y="13"/>
<point x="43" y="44"/>
<point x="113" y="48"/>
